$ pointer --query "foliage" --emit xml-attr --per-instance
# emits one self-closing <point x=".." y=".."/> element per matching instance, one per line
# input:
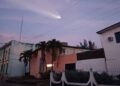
<point x="87" y="45"/>
<point x="25" y="56"/>
<point x="55" y="48"/>
<point x="77" y="76"/>
<point x="57" y="76"/>
<point x="118" y="76"/>
<point x="46" y="75"/>
<point x="104" y="78"/>
<point x="42" y="45"/>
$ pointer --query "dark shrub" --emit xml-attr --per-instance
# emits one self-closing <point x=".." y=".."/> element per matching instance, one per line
<point x="27" y="74"/>
<point x="45" y="75"/>
<point x="118" y="76"/>
<point x="103" y="78"/>
<point x="77" y="76"/>
<point x="57" y="76"/>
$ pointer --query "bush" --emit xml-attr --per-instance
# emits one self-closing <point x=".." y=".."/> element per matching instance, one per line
<point x="118" y="76"/>
<point x="57" y="76"/>
<point x="77" y="76"/>
<point x="103" y="78"/>
<point x="45" y="75"/>
<point x="27" y="74"/>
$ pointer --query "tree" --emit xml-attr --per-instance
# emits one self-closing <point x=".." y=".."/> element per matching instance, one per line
<point x="84" y="44"/>
<point x="55" y="48"/>
<point x="42" y="46"/>
<point x="91" y="45"/>
<point x="87" y="45"/>
<point x="25" y="57"/>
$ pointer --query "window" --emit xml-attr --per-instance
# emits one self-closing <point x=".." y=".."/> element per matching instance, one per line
<point x="117" y="36"/>
<point x="8" y="54"/>
<point x="6" y="68"/>
<point x="110" y="39"/>
<point x="5" y="54"/>
<point x="63" y="50"/>
<point x="70" y="66"/>
<point x="0" y="67"/>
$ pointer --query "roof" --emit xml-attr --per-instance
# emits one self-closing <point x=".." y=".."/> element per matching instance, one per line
<point x="5" y="45"/>
<point x="23" y="42"/>
<point x="109" y="28"/>
<point x="66" y="46"/>
<point x="75" y="47"/>
<point x="9" y="43"/>
<point x="93" y="54"/>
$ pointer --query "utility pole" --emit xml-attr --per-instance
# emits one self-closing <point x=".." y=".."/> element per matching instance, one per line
<point x="21" y="27"/>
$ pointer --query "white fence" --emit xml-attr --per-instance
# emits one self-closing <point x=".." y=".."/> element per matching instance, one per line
<point x="91" y="81"/>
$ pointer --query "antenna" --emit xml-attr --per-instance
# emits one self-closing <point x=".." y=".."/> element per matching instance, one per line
<point x="21" y="26"/>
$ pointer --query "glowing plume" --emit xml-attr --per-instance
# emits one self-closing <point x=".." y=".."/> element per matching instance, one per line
<point x="37" y="7"/>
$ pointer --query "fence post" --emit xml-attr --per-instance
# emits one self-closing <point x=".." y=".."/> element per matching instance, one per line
<point x="62" y="78"/>
<point x="92" y="78"/>
<point x="51" y="78"/>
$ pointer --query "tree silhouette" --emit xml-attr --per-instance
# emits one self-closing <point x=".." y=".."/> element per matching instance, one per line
<point x="55" y="48"/>
<point x="87" y="45"/>
<point x="25" y="57"/>
<point x="91" y="45"/>
<point x="42" y="45"/>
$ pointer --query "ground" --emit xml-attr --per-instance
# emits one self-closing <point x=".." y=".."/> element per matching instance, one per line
<point x="39" y="83"/>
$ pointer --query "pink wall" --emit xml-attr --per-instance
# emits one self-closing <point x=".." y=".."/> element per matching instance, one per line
<point x="64" y="59"/>
<point x="34" y="65"/>
<point x="59" y="64"/>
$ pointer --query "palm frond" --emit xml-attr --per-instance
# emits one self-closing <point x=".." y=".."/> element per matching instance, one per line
<point x="25" y="56"/>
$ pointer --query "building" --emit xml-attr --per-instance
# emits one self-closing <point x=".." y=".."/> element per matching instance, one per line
<point x="66" y="60"/>
<point x="94" y="59"/>
<point x="9" y="55"/>
<point x="110" y="39"/>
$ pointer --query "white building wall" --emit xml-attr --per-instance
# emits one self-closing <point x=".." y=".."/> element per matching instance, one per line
<point x="69" y="51"/>
<point x="17" y="68"/>
<point x="97" y="65"/>
<point x="0" y="59"/>
<point x="12" y="66"/>
<point x="112" y="51"/>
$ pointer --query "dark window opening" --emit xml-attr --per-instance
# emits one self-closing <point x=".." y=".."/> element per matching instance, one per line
<point x="117" y="36"/>
<point x="70" y="66"/>
<point x="63" y="50"/>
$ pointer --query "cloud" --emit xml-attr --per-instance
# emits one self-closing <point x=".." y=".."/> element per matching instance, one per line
<point x="5" y="37"/>
<point x="28" y="19"/>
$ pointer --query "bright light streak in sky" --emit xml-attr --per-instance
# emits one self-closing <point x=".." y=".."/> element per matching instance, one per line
<point x="58" y="17"/>
<point x="39" y="8"/>
<point x="48" y="19"/>
<point x="54" y="15"/>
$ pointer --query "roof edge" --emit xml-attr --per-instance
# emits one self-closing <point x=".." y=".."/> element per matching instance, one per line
<point x="109" y="28"/>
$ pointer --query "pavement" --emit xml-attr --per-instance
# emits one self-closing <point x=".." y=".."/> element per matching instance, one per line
<point x="26" y="83"/>
<point x="12" y="84"/>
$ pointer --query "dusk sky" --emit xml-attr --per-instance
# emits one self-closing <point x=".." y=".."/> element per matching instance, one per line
<point x="70" y="21"/>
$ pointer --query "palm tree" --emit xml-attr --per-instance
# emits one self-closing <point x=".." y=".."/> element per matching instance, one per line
<point x="25" y="57"/>
<point x="55" y="48"/>
<point x="42" y="46"/>
<point x="87" y="45"/>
